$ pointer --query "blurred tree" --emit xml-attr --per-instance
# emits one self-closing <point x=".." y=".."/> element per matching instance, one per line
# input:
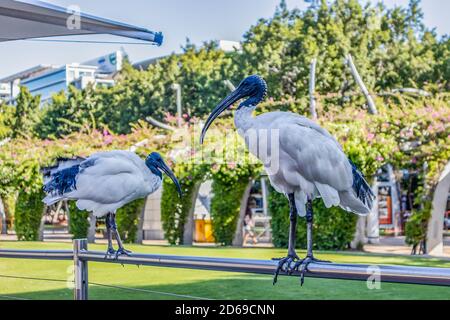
<point x="26" y="114"/>
<point x="68" y="112"/>
<point x="391" y="48"/>
<point x="6" y="117"/>
<point x="199" y="71"/>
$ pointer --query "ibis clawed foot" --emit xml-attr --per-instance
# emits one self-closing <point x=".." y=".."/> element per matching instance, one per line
<point x="111" y="227"/>
<point x="286" y="264"/>
<point x="292" y="262"/>
<point x="122" y="251"/>
<point x="302" y="266"/>
<point x="110" y="253"/>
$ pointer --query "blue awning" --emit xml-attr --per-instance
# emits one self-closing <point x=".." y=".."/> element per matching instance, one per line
<point x="27" y="19"/>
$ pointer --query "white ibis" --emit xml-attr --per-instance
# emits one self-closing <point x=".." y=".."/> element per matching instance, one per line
<point x="105" y="182"/>
<point x="305" y="163"/>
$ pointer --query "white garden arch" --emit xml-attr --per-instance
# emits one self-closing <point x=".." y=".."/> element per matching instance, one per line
<point x="435" y="225"/>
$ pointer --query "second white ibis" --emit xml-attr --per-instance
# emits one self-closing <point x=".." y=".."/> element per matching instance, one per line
<point x="304" y="163"/>
<point x="105" y="182"/>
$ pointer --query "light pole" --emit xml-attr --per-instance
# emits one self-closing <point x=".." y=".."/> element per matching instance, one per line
<point x="229" y="84"/>
<point x="176" y="87"/>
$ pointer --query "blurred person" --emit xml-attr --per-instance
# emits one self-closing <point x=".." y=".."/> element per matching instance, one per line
<point x="249" y="225"/>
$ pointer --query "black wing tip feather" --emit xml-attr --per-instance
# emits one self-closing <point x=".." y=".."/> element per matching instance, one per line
<point x="62" y="181"/>
<point x="361" y="187"/>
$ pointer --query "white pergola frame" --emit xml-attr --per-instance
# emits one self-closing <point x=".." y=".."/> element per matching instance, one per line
<point x="435" y="240"/>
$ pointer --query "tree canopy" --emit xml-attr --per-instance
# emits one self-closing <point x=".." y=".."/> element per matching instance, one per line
<point x="392" y="49"/>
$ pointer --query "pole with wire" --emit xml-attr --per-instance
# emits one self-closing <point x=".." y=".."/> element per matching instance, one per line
<point x="81" y="270"/>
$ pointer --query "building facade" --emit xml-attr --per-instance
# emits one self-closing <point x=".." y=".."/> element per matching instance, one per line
<point x="46" y="80"/>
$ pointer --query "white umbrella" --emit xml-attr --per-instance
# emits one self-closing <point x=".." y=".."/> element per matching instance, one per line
<point x="36" y="19"/>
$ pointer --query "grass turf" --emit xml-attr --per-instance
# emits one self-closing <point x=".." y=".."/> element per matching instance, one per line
<point x="161" y="283"/>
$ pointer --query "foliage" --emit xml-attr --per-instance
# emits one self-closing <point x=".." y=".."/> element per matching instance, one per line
<point x="78" y="221"/>
<point x="9" y="202"/>
<point x="190" y="172"/>
<point x="226" y="160"/>
<point x="6" y="118"/>
<point x="417" y="226"/>
<point x="225" y="208"/>
<point x="28" y="215"/>
<point x="231" y="167"/>
<point x="229" y="183"/>
<point x="333" y="228"/>
<point x="21" y="159"/>
<point x="175" y="210"/>
<point x="127" y="219"/>
<point x="391" y="48"/>
<point x="141" y="93"/>
<point x="423" y="136"/>
<point x="172" y="214"/>
<point x="68" y="112"/>
<point x="26" y="114"/>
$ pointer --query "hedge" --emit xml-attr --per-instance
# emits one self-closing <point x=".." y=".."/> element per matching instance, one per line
<point x="175" y="210"/>
<point x="127" y="219"/>
<point x="78" y="222"/>
<point x="28" y="215"/>
<point x="225" y="208"/>
<point x="333" y="228"/>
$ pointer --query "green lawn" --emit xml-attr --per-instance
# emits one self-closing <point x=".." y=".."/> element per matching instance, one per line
<point x="204" y="284"/>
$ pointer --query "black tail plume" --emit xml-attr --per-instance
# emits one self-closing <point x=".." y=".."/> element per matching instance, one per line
<point x="362" y="188"/>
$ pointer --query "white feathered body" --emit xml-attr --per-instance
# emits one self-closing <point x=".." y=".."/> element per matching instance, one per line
<point x="106" y="181"/>
<point x="301" y="157"/>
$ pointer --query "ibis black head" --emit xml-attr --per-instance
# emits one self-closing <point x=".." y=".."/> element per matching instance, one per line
<point x="156" y="164"/>
<point x="253" y="87"/>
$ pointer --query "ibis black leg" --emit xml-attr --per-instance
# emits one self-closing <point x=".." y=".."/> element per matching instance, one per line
<point x="121" y="249"/>
<point x="109" y="226"/>
<point x="302" y="265"/>
<point x="285" y="264"/>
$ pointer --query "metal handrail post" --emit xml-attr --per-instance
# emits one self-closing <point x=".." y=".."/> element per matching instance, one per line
<point x="80" y="270"/>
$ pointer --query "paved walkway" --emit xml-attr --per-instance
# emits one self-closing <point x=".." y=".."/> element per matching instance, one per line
<point x="396" y="245"/>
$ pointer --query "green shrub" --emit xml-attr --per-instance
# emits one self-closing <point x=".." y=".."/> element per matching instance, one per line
<point x="333" y="228"/>
<point x="28" y="215"/>
<point x="225" y="208"/>
<point x="175" y="210"/>
<point x="78" y="222"/>
<point x="127" y="219"/>
<point x="417" y="225"/>
<point x="9" y="201"/>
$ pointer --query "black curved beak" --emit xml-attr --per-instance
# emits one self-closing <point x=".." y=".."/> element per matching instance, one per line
<point x="163" y="166"/>
<point x="221" y="107"/>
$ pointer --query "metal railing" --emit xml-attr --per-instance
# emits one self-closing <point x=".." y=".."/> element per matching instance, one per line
<point x="81" y="256"/>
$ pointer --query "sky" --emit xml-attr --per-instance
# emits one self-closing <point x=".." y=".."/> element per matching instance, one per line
<point x="198" y="20"/>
